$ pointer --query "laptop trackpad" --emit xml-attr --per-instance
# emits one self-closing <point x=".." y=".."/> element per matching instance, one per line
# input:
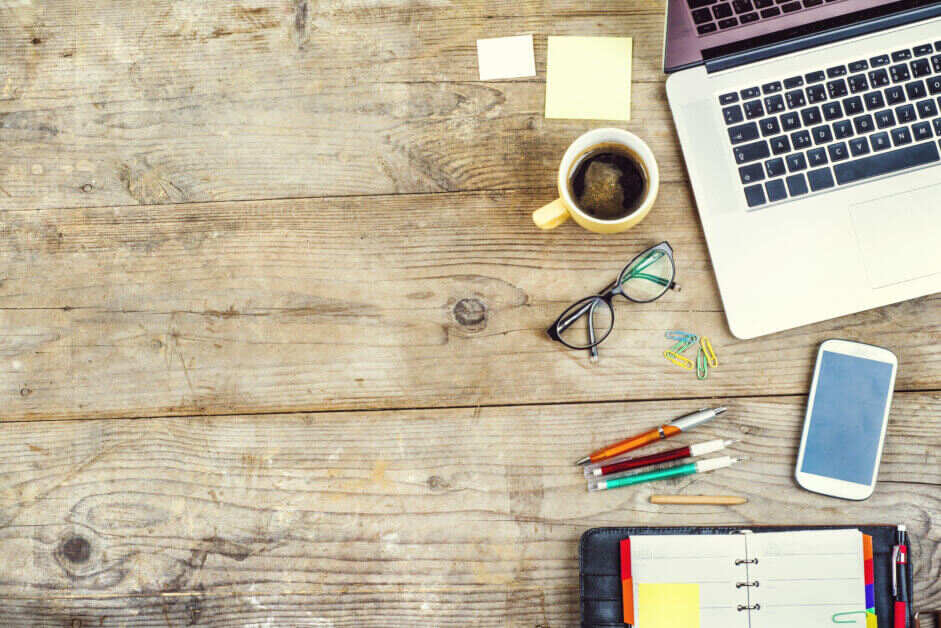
<point x="899" y="236"/>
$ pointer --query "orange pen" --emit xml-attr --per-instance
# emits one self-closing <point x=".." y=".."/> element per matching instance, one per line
<point x="672" y="428"/>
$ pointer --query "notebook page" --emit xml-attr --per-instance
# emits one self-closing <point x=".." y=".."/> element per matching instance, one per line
<point x="704" y="560"/>
<point x="804" y="578"/>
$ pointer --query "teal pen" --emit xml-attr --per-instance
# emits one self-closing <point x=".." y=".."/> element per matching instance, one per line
<point x="702" y="466"/>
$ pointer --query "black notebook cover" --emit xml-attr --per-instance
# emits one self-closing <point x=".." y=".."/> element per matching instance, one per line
<point x="599" y="561"/>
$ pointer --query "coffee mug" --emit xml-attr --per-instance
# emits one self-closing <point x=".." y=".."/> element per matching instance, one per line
<point x="564" y="207"/>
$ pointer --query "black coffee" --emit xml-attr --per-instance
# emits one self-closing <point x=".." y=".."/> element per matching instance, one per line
<point x="608" y="182"/>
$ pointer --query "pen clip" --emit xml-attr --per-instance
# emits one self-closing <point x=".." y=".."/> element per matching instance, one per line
<point x="895" y="571"/>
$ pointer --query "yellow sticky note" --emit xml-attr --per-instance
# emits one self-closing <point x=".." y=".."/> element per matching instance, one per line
<point x="589" y="78"/>
<point x="667" y="605"/>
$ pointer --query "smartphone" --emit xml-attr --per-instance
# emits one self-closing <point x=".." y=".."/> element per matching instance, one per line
<point x="847" y="414"/>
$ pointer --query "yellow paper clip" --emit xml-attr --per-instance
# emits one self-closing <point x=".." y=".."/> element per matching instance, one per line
<point x="683" y="345"/>
<point x="710" y="354"/>
<point x="702" y="367"/>
<point x="679" y="360"/>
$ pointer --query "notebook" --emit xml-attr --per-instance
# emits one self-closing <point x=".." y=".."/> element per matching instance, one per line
<point x="751" y="580"/>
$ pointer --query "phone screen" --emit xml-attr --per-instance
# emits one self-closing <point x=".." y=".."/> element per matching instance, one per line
<point x="846" y="418"/>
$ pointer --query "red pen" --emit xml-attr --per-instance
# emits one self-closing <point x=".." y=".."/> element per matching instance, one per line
<point x="900" y="577"/>
<point x="622" y="463"/>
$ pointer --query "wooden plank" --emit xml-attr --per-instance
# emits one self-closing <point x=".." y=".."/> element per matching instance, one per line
<point x="403" y="301"/>
<point x="201" y="101"/>
<point x="387" y="518"/>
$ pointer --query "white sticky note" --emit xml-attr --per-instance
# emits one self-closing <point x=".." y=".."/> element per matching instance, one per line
<point x="506" y="57"/>
<point x="589" y="78"/>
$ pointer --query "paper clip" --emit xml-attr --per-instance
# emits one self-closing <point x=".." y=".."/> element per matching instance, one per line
<point x="679" y="360"/>
<point x="839" y="618"/>
<point x="679" y="335"/>
<point x="710" y="354"/>
<point x="702" y="366"/>
<point x="683" y="345"/>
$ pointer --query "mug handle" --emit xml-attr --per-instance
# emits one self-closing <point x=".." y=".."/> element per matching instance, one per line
<point x="552" y="215"/>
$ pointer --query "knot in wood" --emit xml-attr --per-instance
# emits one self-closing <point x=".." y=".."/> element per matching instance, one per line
<point x="470" y="313"/>
<point x="76" y="549"/>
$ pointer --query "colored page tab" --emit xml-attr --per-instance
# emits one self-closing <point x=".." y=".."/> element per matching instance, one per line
<point x="667" y="605"/>
<point x="869" y="574"/>
<point x="589" y="78"/>
<point x="627" y="584"/>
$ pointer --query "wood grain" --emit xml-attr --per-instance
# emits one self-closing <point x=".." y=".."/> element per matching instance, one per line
<point x="403" y="301"/>
<point x="200" y="101"/>
<point x="387" y="518"/>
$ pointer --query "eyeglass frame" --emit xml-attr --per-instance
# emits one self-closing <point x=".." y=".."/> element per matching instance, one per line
<point x="607" y="295"/>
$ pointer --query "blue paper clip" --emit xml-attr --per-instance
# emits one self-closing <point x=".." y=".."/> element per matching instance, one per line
<point x="680" y="335"/>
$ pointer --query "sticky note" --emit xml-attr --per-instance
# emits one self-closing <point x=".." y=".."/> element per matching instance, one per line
<point x="506" y="57"/>
<point x="589" y="78"/>
<point x="667" y="605"/>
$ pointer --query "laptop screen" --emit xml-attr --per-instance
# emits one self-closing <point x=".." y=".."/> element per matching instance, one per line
<point x="700" y="30"/>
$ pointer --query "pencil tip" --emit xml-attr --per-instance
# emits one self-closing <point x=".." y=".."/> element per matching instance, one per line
<point x="720" y="410"/>
<point x="583" y="461"/>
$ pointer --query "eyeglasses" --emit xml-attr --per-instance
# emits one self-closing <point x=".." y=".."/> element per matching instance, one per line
<point x="586" y="323"/>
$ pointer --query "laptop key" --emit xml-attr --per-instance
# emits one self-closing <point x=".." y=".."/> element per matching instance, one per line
<point x="838" y="151"/>
<point x="753" y="109"/>
<point x="751" y="173"/>
<point x="774" y="104"/>
<point x="901" y="136"/>
<point x="728" y="22"/>
<point x="902" y="55"/>
<point x="905" y="113"/>
<point x="701" y="16"/>
<point x="780" y="145"/>
<point x="885" y="118"/>
<point x="796" y="162"/>
<point x="880" y="141"/>
<point x="816" y="93"/>
<point x="795" y="98"/>
<point x="820" y="179"/>
<point x="832" y="110"/>
<point x="742" y="6"/>
<point x="920" y="67"/>
<point x="748" y="18"/>
<point x="790" y="7"/>
<point x="821" y="134"/>
<point x="775" y="190"/>
<point x="722" y="10"/>
<point x="937" y="126"/>
<point x="921" y="131"/>
<point x="879" y="78"/>
<point x="796" y="184"/>
<point x="859" y="66"/>
<point x="854" y="104"/>
<point x="727" y="99"/>
<point x="771" y="88"/>
<point x="770" y="12"/>
<point x="842" y="129"/>
<point x="745" y="153"/>
<point x="795" y="81"/>
<point x="705" y="29"/>
<point x="874" y="100"/>
<point x="817" y="157"/>
<point x="695" y="4"/>
<point x="775" y="167"/>
<point x="858" y="83"/>
<point x="755" y="195"/>
<point x="763" y="4"/>
<point x="863" y="124"/>
<point x="926" y="108"/>
<point x="934" y="85"/>
<point x="751" y="92"/>
<point x="886" y="163"/>
<point x="790" y="121"/>
<point x="837" y="88"/>
<point x="811" y="115"/>
<point x="879" y="61"/>
<point x="916" y="90"/>
<point x="732" y="114"/>
<point x="859" y="146"/>
<point x="743" y="133"/>
<point x="894" y="95"/>
<point x="837" y="70"/>
<point x="769" y="126"/>
<point x="899" y="73"/>
<point x="924" y="49"/>
<point x="800" y="139"/>
<point x="815" y="77"/>
<point x="936" y="63"/>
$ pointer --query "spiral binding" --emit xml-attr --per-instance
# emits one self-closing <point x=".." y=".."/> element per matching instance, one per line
<point x="753" y="583"/>
<point x="753" y="607"/>
<point x="742" y="561"/>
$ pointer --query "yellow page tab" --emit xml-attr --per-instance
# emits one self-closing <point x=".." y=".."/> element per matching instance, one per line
<point x="589" y="78"/>
<point x="667" y="605"/>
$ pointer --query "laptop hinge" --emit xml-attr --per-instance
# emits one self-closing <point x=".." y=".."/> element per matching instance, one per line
<point x="745" y="57"/>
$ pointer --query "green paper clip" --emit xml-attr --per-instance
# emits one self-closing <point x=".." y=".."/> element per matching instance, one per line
<point x="702" y="365"/>
<point x="851" y="621"/>
<point x="683" y="345"/>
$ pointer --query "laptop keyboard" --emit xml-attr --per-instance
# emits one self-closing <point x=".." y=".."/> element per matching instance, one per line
<point x="712" y="16"/>
<point x="836" y="126"/>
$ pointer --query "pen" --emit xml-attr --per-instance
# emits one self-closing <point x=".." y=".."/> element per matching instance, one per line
<point x="623" y="463"/>
<point x="671" y="429"/>
<point x="703" y="466"/>
<point x="900" y="577"/>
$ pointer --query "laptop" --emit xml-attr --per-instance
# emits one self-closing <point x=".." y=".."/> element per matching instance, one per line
<point x="811" y="131"/>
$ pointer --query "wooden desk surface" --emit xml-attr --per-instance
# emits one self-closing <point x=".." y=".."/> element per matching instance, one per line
<point x="269" y="279"/>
